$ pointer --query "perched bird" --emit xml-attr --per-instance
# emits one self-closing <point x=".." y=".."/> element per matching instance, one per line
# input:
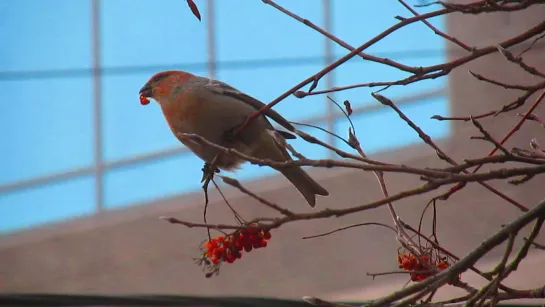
<point x="213" y="110"/>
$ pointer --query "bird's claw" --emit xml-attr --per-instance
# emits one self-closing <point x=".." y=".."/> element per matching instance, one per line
<point x="208" y="172"/>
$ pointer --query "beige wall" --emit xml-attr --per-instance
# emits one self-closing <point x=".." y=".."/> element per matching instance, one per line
<point x="131" y="251"/>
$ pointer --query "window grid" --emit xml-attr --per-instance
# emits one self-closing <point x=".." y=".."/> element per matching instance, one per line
<point x="100" y="167"/>
<point x="97" y="102"/>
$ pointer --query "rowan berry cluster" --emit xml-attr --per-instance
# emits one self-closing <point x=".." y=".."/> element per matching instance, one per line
<point x="229" y="248"/>
<point x="419" y="268"/>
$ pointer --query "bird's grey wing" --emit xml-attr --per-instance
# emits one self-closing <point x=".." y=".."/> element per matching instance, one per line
<point x="225" y="89"/>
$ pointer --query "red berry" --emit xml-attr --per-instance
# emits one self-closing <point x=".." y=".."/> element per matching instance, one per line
<point x="230" y="259"/>
<point x="442" y="265"/>
<point x="218" y="252"/>
<point x="144" y="100"/>
<point x="248" y="248"/>
<point x="266" y="234"/>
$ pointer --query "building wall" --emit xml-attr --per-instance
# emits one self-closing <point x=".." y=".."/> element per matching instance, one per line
<point x="132" y="251"/>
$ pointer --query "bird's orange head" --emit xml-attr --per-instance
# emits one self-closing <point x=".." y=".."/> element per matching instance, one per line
<point x="163" y="85"/>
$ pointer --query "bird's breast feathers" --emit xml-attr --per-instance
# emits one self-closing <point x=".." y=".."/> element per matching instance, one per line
<point x="183" y="113"/>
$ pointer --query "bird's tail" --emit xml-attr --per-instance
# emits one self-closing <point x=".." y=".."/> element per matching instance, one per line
<point x="270" y="147"/>
<point x="304" y="183"/>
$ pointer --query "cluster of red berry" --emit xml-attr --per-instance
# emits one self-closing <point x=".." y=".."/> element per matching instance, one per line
<point x="418" y="270"/>
<point x="229" y="248"/>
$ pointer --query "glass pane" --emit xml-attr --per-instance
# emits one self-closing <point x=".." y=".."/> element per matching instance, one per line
<point x="128" y="127"/>
<point x="149" y="181"/>
<point x="252" y="30"/>
<point x="59" y="29"/>
<point x="267" y="84"/>
<point x="380" y="14"/>
<point x="48" y="203"/>
<point x="50" y="124"/>
<point x="383" y="129"/>
<point x="147" y="32"/>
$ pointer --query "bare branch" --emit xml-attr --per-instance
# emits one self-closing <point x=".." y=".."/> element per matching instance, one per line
<point x="498" y="83"/>
<point x="469" y="260"/>
<point x="351" y="226"/>
<point x="235" y="183"/>
<point x="529" y="69"/>
<point x="436" y="31"/>
<point x="340" y="42"/>
<point x="489" y="138"/>
<point x="441" y="154"/>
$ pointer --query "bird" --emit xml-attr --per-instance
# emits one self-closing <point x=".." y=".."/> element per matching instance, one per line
<point x="212" y="109"/>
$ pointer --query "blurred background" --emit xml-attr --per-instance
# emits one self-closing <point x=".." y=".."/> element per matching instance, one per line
<point x="85" y="170"/>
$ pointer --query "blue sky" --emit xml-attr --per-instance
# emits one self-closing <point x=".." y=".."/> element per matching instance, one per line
<point x="47" y="113"/>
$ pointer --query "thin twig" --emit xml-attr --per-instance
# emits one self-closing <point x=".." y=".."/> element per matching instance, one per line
<point x="489" y="138"/>
<point x="236" y="184"/>
<point x="518" y="60"/>
<point x="428" y="72"/>
<point x="531" y="45"/>
<point x="437" y="31"/>
<point x="174" y="220"/>
<point x="373" y="275"/>
<point x="523" y="251"/>
<point x="443" y="250"/>
<point x="238" y="217"/>
<point x="351" y="226"/>
<point x="517" y="103"/>
<point x="340" y="42"/>
<point x="498" y="83"/>
<point x="443" y="277"/>
<point x="536" y="245"/>
<point x="443" y="68"/>
<point x="427" y="139"/>
<point x="507" y="136"/>
<point x="325" y="163"/>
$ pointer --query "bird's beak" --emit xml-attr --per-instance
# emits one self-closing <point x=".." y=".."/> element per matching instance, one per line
<point x="146" y="91"/>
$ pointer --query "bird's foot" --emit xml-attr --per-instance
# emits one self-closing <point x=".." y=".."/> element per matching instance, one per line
<point x="208" y="171"/>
